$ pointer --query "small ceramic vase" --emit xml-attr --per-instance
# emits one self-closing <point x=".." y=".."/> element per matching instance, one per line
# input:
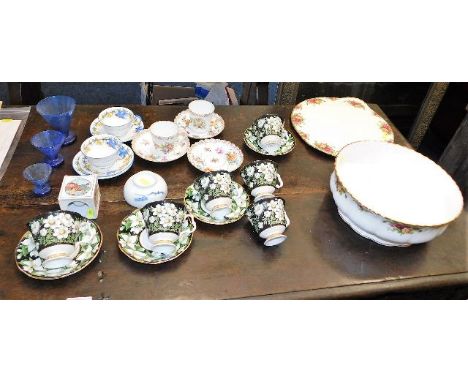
<point x="269" y="130"/>
<point x="261" y="178"/>
<point x="163" y="222"/>
<point x="215" y="192"/>
<point x="56" y="236"/>
<point x="269" y="220"/>
<point x="144" y="187"/>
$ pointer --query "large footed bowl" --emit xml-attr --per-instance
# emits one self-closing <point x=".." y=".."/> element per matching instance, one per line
<point x="392" y="194"/>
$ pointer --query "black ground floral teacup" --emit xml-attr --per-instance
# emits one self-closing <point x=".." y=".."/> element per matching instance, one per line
<point x="269" y="131"/>
<point x="261" y="178"/>
<point x="56" y="236"/>
<point x="164" y="221"/>
<point x="215" y="193"/>
<point x="269" y="219"/>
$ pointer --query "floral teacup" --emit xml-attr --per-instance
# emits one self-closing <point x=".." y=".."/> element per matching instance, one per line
<point x="102" y="150"/>
<point x="261" y="178"/>
<point x="116" y="120"/>
<point x="164" y="134"/>
<point x="56" y="236"/>
<point x="269" y="131"/>
<point x="164" y="221"/>
<point x="269" y="220"/>
<point x="215" y="191"/>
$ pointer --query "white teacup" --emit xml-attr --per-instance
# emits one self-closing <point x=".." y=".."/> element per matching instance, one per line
<point x="218" y="208"/>
<point x="116" y="121"/>
<point x="271" y="143"/>
<point x="164" y="133"/>
<point x="101" y="150"/>
<point x="59" y="255"/>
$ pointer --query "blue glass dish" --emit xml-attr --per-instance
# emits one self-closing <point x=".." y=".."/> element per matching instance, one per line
<point x="49" y="142"/>
<point x="57" y="111"/>
<point x="38" y="174"/>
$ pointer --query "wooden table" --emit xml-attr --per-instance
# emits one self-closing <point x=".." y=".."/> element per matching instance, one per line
<point x="322" y="258"/>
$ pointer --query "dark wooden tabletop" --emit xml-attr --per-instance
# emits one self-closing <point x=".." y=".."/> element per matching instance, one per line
<point x="322" y="258"/>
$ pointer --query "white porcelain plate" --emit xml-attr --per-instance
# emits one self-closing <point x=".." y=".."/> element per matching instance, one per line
<point x="200" y="127"/>
<point x="240" y="202"/>
<point x="214" y="155"/>
<point x="126" y="157"/>
<point x="328" y="123"/>
<point x="133" y="241"/>
<point x="28" y="261"/>
<point x="137" y="126"/>
<point x="143" y="146"/>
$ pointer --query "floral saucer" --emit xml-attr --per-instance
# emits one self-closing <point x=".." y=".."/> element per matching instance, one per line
<point x="89" y="237"/>
<point x="122" y="165"/>
<point x="251" y="141"/>
<point x="137" y="125"/>
<point x="132" y="238"/>
<point x="199" y="127"/>
<point x="214" y="155"/>
<point x="240" y="202"/>
<point x="144" y="147"/>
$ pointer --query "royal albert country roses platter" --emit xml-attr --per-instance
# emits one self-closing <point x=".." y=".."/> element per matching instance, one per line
<point x="329" y="123"/>
<point x="392" y="194"/>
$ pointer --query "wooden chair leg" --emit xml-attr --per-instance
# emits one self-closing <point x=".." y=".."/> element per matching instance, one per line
<point x="426" y="112"/>
<point x="287" y="93"/>
<point x="454" y="159"/>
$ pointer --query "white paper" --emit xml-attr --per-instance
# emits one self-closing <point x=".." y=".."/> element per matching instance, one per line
<point x="8" y="129"/>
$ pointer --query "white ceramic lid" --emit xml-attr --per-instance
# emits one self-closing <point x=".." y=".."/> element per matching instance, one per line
<point x="398" y="183"/>
<point x="201" y="107"/>
<point x="328" y="124"/>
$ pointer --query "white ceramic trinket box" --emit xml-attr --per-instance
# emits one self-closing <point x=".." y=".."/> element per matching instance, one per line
<point x="80" y="194"/>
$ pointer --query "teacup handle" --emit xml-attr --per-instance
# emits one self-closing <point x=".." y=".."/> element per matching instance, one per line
<point x="194" y="224"/>
<point x="288" y="222"/>
<point x="280" y="184"/>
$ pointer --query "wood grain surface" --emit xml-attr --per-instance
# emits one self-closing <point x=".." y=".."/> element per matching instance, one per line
<point x="322" y="257"/>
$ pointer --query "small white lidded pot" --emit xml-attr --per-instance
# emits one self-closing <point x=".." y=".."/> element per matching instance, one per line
<point x="116" y="121"/>
<point x="101" y="150"/>
<point x="164" y="133"/>
<point x="261" y="178"/>
<point x="215" y="192"/>
<point x="269" y="220"/>
<point x="144" y="187"/>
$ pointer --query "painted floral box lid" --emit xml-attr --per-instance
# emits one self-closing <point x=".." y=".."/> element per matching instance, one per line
<point x="78" y="187"/>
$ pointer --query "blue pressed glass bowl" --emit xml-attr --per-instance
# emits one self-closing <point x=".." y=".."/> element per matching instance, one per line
<point x="49" y="143"/>
<point x="57" y="111"/>
<point x="38" y="174"/>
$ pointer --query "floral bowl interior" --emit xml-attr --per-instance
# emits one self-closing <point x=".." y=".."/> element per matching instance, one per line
<point x="398" y="183"/>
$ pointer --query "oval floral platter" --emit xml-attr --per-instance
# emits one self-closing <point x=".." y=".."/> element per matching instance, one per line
<point x="240" y="201"/>
<point x="89" y="237"/>
<point x="214" y="155"/>
<point x="330" y="123"/>
<point x="133" y="240"/>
